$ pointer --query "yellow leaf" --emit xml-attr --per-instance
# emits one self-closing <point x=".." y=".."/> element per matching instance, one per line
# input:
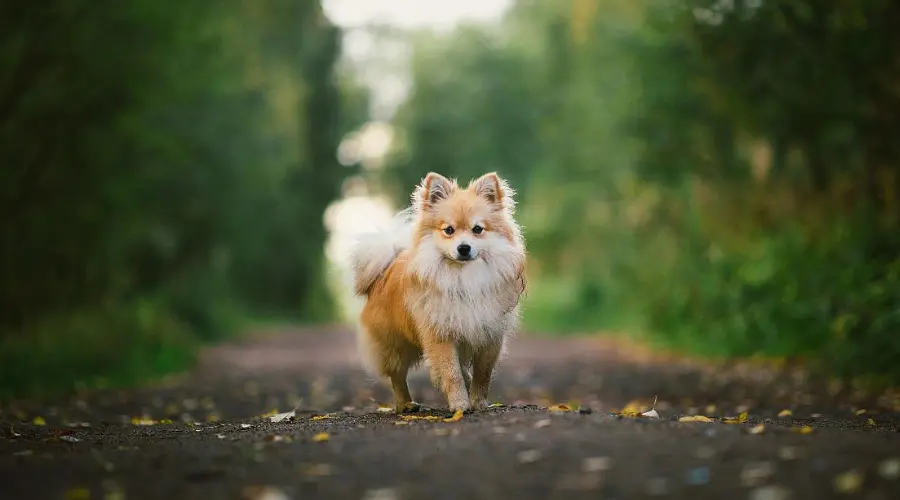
<point x="871" y="422"/>
<point x="78" y="494"/>
<point x="496" y="405"/>
<point x="739" y="420"/>
<point x="560" y="407"/>
<point x="322" y="417"/>
<point x="165" y="421"/>
<point x="848" y="482"/>
<point x="785" y="413"/>
<point x="420" y="417"/>
<point x="757" y="429"/>
<point x="802" y="430"/>
<point x="861" y="412"/>
<point x="142" y="421"/>
<point x="39" y="421"/>
<point x="457" y="415"/>
<point x="695" y="418"/>
<point x="320" y="437"/>
<point x="635" y="408"/>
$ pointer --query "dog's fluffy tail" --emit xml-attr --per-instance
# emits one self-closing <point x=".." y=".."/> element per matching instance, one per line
<point x="372" y="253"/>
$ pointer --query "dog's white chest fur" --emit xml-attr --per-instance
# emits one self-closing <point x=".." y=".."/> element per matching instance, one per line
<point x="476" y="303"/>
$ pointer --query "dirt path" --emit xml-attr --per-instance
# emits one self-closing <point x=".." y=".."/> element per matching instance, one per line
<point x="340" y="446"/>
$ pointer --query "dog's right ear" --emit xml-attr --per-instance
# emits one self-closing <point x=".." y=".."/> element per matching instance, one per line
<point x="434" y="188"/>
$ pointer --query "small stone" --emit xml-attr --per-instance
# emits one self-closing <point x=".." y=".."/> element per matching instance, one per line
<point x="264" y="493"/>
<point x="529" y="456"/>
<point x="596" y="464"/>
<point x="544" y="422"/>
<point x="771" y="492"/>
<point x="657" y="486"/>
<point x="698" y="476"/>
<point x="755" y="473"/>
<point x="382" y="494"/>
<point x="789" y="453"/>
<point x="890" y="468"/>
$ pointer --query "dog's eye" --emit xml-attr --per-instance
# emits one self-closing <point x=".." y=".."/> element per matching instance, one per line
<point x="448" y="230"/>
<point x="477" y="229"/>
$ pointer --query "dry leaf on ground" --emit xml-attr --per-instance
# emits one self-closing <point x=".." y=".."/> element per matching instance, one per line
<point x="740" y="419"/>
<point x="320" y="437"/>
<point x="848" y="482"/>
<point x="457" y="416"/>
<point x="278" y="417"/>
<point x="695" y="418"/>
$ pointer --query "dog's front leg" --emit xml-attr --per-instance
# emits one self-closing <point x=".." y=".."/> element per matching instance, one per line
<point x="482" y="370"/>
<point x="446" y="373"/>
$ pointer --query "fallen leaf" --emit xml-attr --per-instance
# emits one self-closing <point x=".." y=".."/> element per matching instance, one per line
<point x="278" y="417"/>
<point x="560" y="407"/>
<point x="496" y="405"/>
<point x="596" y="464"/>
<point x="848" y="482"/>
<point x="739" y="420"/>
<point x="420" y="417"/>
<point x="78" y="494"/>
<point x="696" y="418"/>
<point x="385" y="409"/>
<point x="320" y="437"/>
<point x="785" y="413"/>
<point x="165" y="421"/>
<point x="757" y="429"/>
<point x="871" y="422"/>
<point x="39" y="421"/>
<point x="861" y="411"/>
<point x="650" y="414"/>
<point x="528" y="456"/>
<point x="802" y="430"/>
<point x="457" y="416"/>
<point x="142" y="421"/>
<point x="322" y="417"/>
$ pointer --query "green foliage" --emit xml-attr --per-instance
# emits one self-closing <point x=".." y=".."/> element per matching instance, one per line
<point x="719" y="177"/>
<point x="178" y="154"/>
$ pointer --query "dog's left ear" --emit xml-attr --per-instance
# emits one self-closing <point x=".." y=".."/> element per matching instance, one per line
<point x="490" y="187"/>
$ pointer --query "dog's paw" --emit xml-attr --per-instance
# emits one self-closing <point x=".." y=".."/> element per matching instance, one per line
<point x="461" y="405"/>
<point x="479" y="404"/>
<point x="410" y="407"/>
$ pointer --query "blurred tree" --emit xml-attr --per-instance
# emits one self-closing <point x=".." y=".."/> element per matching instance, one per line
<point x="162" y="159"/>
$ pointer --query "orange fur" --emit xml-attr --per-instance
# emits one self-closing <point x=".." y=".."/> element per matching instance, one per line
<point x="432" y="302"/>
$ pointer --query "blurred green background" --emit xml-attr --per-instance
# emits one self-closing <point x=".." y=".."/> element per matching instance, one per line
<point x="716" y="177"/>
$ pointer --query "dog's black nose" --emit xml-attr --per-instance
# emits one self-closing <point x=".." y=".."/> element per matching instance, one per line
<point x="464" y="250"/>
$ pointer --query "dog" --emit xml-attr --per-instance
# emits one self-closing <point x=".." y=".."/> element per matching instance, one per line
<point x="442" y="284"/>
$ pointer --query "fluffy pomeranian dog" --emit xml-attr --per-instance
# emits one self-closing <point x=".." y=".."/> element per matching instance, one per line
<point x="443" y="284"/>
